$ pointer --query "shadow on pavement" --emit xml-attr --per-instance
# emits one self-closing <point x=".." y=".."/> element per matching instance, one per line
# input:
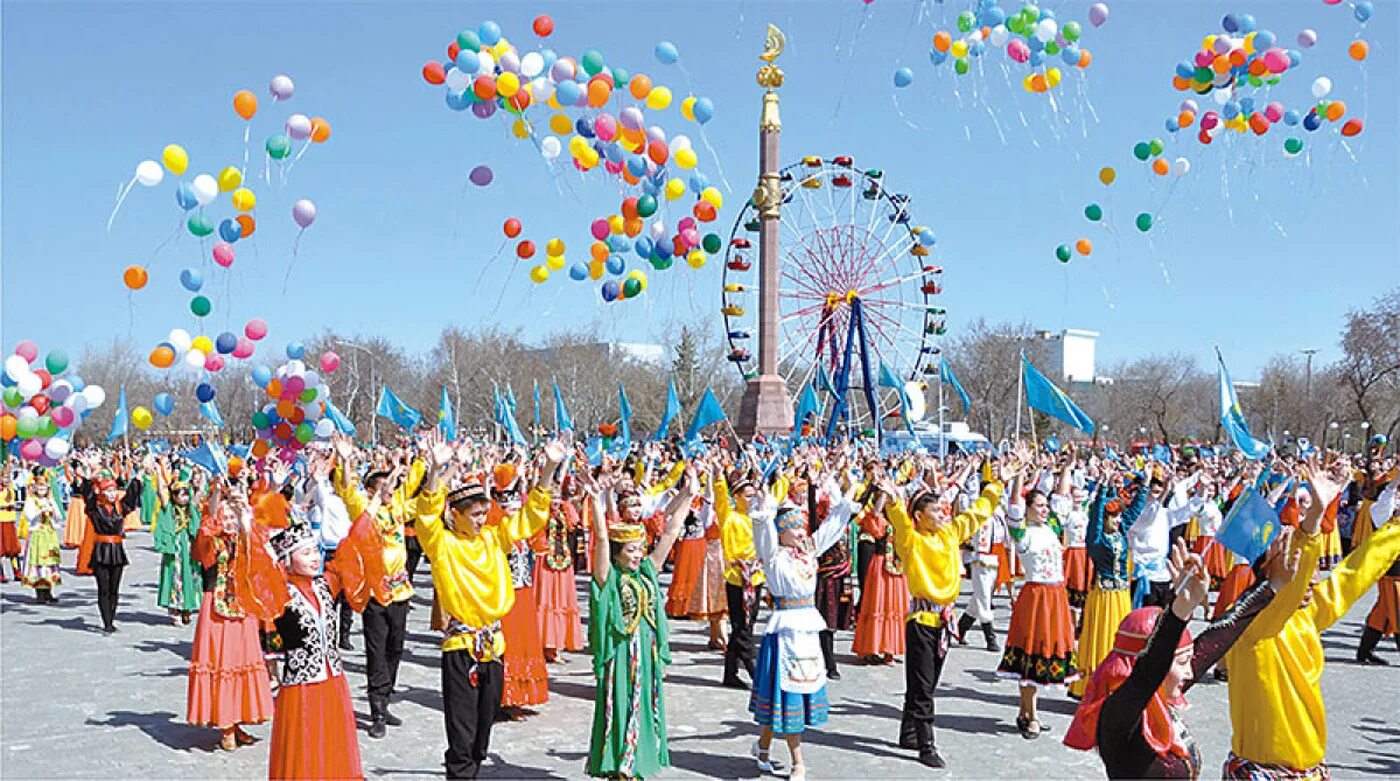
<point x="162" y="727"/>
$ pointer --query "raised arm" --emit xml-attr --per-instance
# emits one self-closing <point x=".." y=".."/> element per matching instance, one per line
<point x="602" y="552"/>
<point x="675" y="519"/>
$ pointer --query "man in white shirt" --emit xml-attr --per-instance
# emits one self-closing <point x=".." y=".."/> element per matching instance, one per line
<point x="1168" y="506"/>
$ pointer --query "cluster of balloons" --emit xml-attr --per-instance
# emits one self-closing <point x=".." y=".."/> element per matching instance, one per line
<point x="1030" y="36"/>
<point x="1150" y="152"/>
<point x="42" y="407"/>
<point x="296" y="127"/>
<point x="202" y="353"/>
<point x="617" y="235"/>
<point x="599" y="113"/>
<point x="295" y="413"/>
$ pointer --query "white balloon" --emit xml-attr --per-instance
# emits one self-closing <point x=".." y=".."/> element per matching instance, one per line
<point x="658" y="230"/>
<point x="281" y="87"/>
<point x="195" y="359"/>
<point x="680" y="142"/>
<point x="1045" y="30"/>
<point x="78" y="402"/>
<point x="149" y="173"/>
<point x="205" y="189"/>
<point x="295" y="367"/>
<point x="326" y="427"/>
<point x="550" y="147"/>
<point x="180" y="339"/>
<point x="299" y="126"/>
<point x="1181" y="166"/>
<point x="95" y="396"/>
<point x="486" y="64"/>
<point x="541" y="90"/>
<point x="312" y="379"/>
<point x="1221" y="97"/>
<point x="1000" y="35"/>
<point x="26" y="413"/>
<point x="56" y="448"/>
<point x="1321" y="87"/>
<point x="17" y="367"/>
<point x="29" y="385"/>
<point x="457" y="80"/>
<point x="532" y="65"/>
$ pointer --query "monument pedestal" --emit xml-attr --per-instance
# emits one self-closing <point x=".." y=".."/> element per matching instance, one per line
<point x="766" y="408"/>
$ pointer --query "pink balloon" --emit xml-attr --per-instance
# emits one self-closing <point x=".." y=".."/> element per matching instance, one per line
<point x="691" y="238"/>
<point x="255" y="329"/>
<point x="28" y="351"/>
<point x="63" y="417"/>
<point x="1210" y="120"/>
<point x="600" y="231"/>
<point x="1204" y="59"/>
<point x="223" y="254"/>
<point x="31" y="449"/>
<point x="612" y="168"/>
<point x="244" y="348"/>
<point x="329" y="361"/>
<point x="214" y="362"/>
<point x="1274" y="111"/>
<point x="293" y="386"/>
<point x="686" y="223"/>
<point x="605" y="127"/>
<point x="1276" y="60"/>
<point x="1017" y="50"/>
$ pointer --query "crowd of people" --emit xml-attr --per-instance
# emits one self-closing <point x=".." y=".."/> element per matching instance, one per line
<point x="1107" y="558"/>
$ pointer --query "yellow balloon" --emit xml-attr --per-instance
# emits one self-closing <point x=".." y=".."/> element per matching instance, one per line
<point x="203" y="344"/>
<point x="553" y="103"/>
<point x="590" y="158"/>
<point x="1053" y="76"/>
<point x="1208" y="43"/>
<point x="554" y="247"/>
<point x="502" y="46"/>
<point x="711" y="195"/>
<point x="1026" y="82"/>
<point x="244" y="200"/>
<point x="229" y="179"/>
<point x="696" y="258"/>
<point x="616" y="223"/>
<point x="595" y="270"/>
<point x="141" y="418"/>
<point x="659" y="98"/>
<point x="577" y="145"/>
<point x="539" y="274"/>
<point x="959" y="49"/>
<point x="555" y="262"/>
<point x="507" y="84"/>
<point x="176" y="159"/>
<point x="640" y="276"/>
<point x="561" y="125"/>
<point x="688" y="108"/>
<point x="675" y="188"/>
<point x="685" y="158"/>
<point x="1107" y="175"/>
<point x="1249" y="44"/>
<point x="520" y="128"/>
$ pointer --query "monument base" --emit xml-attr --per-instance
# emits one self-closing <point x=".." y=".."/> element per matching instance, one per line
<point x="766" y="408"/>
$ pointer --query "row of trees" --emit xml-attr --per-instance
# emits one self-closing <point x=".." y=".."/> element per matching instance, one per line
<point x="1165" y="396"/>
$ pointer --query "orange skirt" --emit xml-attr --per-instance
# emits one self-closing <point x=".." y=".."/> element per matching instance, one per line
<point x="1040" y="643"/>
<point x="1240" y="578"/>
<point x="707" y="598"/>
<point x="1079" y="573"/>
<point x="75" y="524"/>
<point x="9" y="541"/>
<point x="1217" y="557"/>
<point x="228" y="682"/>
<point x="526" y="679"/>
<point x="313" y="733"/>
<point x="690" y="564"/>
<point x="1004" y="572"/>
<point x="883" y="608"/>
<point x="1385" y="616"/>
<point x="560" y="627"/>
<point x="132" y="522"/>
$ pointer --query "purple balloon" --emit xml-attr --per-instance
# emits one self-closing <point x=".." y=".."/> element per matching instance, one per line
<point x="481" y="176"/>
<point x="281" y="87"/>
<point x="1098" y="14"/>
<point x="1307" y="38"/>
<point x="484" y="109"/>
<point x="304" y="213"/>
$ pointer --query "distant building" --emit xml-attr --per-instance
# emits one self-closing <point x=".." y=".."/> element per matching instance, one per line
<point x="1077" y="355"/>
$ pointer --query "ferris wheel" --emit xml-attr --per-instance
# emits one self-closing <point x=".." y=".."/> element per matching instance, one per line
<point x="857" y="291"/>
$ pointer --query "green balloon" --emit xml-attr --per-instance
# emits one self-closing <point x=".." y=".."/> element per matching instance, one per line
<point x="1016" y="23"/>
<point x="1070" y="31"/>
<point x="1144" y="222"/>
<point x="661" y="264"/>
<point x="56" y="361"/>
<point x="200" y="225"/>
<point x="278" y="146"/>
<point x="966" y="20"/>
<point x="1204" y="75"/>
<point x="1031" y="12"/>
<point x="469" y="40"/>
<point x="26" y="428"/>
<point x="260" y="419"/>
<point x="646" y="206"/>
<point x="961" y="66"/>
<point x="1052" y="48"/>
<point x="47" y="427"/>
<point x="592" y="62"/>
<point x="200" y="306"/>
<point x="1293" y="146"/>
<point x="12" y="396"/>
<point x="631" y="287"/>
<point x="1142" y="150"/>
<point x="712" y="243"/>
<point x="1062" y="252"/>
<point x="1094" y="212"/>
<point x="307" y="395"/>
<point x="1157" y="146"/>
<point x="305" y="433"/>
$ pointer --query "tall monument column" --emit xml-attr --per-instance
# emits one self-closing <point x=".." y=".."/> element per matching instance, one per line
<point x="766" y="407"/>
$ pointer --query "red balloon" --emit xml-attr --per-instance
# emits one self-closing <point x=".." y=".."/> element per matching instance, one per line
<point x="40" y="403"/>
<point x="1353" y="127"/>
<point x="484" y="87"/>
<point x="452" y="50"/>
<point x="520" y="101"/>
<point x="512" y="228"/>
<point x="543" y="25"/>
<point x="1203" y="137"/>
<point x="525" y="249"/>
<point x="433" y="73"/>
<point x="44" y="377"/>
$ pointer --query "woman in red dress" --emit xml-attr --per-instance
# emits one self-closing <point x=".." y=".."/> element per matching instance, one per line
<point x="884" y="602"/>
<point x="526" y="679"/>
<point x="560" y="626"/>
<point x="689" y="556"/>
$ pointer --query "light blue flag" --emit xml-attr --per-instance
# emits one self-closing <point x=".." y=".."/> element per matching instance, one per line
<point x="391" y="407"/>
<point x="946" y="375"/>
<point x="1250" y="526"/>
<point x="593" y="450"/>
<point x="562" y="421"/>
<point x="535" y="433"/>
<point x="806" y="405"/>
<point x="673" y="408"/>
<point x="1042" y="395"/>
<point x="510" y="398"/>
<point x="209" y="456"/>
<point x="623" y="443"/>
<point x="889" y="380"/>
<point x="1232" y="417"/>
<point x="120" y="422"/>
<point x="210" y="410"/>
<point x="505" y="416"/>
<point x="824" y="380"/>
<point x="447" y="417"/>
<point x="342" y="424"/>
<point x="708" y="413"/>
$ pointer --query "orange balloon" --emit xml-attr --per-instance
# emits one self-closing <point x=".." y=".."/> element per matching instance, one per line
<point x="320" y="130"/>
<point x="285" y="408"/>
<point x="658" y="152"/>
<point x="942" y="40"/>
<point x="1259" y="123"/>
<point x="520" y="100"/>
<point x="629" y="178"/>
<point x="246" y="225"/>
<point x="1358" y="50"/>
<point x="135" y="277"/>
<point x="1336" y="110"/>
<point x="162" y="357"/>
<point x="1221" y="64"/>
<point x="274" y="389"/>
<point x="297" y="415"/>
<point x="629" y="207"/>
<point x="1161" y="167"/>
<point x="235" y="465"/>
<point x="8" y="427"/>
<point x="632" y="227"/>
<point x="1186" y="118"/>
<point x="245" y="103"/>
<point x="1038" y="83"/>
<point x="1085" y="58"/>
<point x="640" y="86"/>
<point x="1181" y="84"/>
<point x="1084" y="246"/>
<point x="704" y="211"/>
<point x="1257" y="67"/>
<point x="260" y="448"/>
<point x="598" y="251"/>
<point x="1353" y="127"/>
<point x="598" y="92"/>
<point x="1237" y="57"/>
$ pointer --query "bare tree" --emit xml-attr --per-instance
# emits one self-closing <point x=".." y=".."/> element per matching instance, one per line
<point x="1370" y="366"/>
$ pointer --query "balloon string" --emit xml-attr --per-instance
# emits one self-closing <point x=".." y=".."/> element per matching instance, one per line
<point x="504" y="285"/>
<point x="120" y="199"/>
<point x="487" y="266"/>
<point x="244" y="171"/>
<point x="718" y="165"/>
<point x="895" y="98"/>
<point x="296" y="247"/>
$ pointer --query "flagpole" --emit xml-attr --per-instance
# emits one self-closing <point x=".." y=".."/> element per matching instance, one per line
<point x="1020" y="388"/>
<point x="942" y="437"/>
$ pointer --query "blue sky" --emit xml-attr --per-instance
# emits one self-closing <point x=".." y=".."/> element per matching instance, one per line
<point x="1254" y="252"/>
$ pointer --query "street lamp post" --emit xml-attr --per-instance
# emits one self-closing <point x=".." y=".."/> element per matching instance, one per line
<point x="373" y="417"/>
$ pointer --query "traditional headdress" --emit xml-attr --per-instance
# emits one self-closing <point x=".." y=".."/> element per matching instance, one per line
<point x="295" y="536"/>
<point x="739" y="480"/>
<point x="623" y="533"/>
<point x="464" y="494"/>
<point x="504" y="477"/>
<point x="789" y="517"/>
<point x="1114" y="507"/>
<point x="105" y="482"/>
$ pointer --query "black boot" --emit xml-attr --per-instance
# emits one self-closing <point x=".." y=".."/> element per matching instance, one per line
<point x="908" y="733"/>
<point x="1365" y="653"/>
<point x="928" y="753"/>
<point x="828" y="640"/>
<point x="377" y="718"/>
<point x="990" y="635"/>
<point x="389" y="718"/>
<point x="965" y="623"/>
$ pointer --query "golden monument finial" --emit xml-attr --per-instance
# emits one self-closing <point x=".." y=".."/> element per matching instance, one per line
<point x="770" y="75"/>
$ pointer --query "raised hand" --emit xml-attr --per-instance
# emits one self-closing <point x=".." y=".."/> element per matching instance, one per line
<point x="1281" y="560"/>
<point x="1189" y="572"/>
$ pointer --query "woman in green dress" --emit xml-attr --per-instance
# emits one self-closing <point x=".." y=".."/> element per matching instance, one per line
<point x="628" y="636"/>
<point x="181" y="579"/>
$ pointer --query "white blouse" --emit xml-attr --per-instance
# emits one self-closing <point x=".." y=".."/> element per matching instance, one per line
<point x="792" y="573"/>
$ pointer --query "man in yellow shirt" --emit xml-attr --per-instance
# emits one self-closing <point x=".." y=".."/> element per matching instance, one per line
<point x="743" y="575"/>
<point x="473" y="583"/>
<point x="385" y="616"/>
<point x="929" y="545"/>
<point x="1276" y="707"/>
